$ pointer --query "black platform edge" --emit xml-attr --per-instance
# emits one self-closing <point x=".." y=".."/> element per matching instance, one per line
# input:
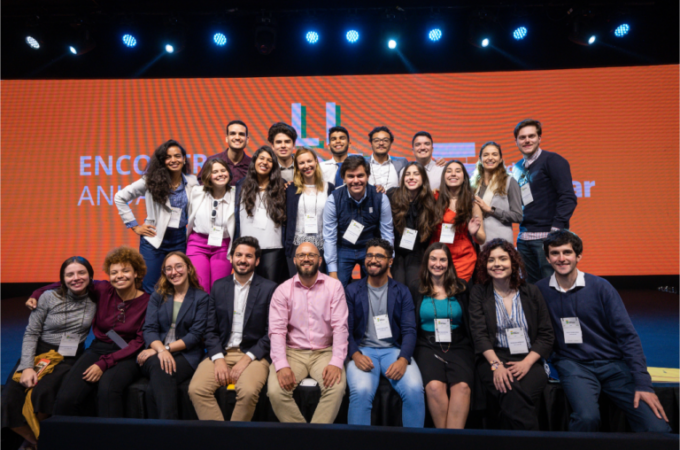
<point x="73" y="433"/>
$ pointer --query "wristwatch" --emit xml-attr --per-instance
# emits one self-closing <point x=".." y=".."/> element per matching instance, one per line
<point x="167" y="347"/>
<point x="494" y="365"/>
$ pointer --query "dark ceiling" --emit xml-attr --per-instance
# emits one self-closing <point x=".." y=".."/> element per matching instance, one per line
<point x="653" y="38"/>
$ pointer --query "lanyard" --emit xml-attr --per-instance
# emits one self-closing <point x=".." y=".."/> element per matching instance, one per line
<point x="387" y="179"/>
<point x="304" y="202"/>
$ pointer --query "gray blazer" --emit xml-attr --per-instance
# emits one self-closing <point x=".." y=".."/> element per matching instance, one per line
<point x="508" y="210"/>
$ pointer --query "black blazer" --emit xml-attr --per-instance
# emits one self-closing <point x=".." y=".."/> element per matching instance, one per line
<point x="463" y="299"/>
<point x="292" y="202"/>
<point x="483" y="318"/>
<point x="255" y="321"/>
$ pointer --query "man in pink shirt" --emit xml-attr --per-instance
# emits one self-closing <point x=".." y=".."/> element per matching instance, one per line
<point x="308" y="334"/>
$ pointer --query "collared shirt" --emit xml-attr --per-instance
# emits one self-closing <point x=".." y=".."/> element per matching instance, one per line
<point x="241" y="292"/>
<point x="530" y="160"/>
<point x="308" y="318"/>
<point x="434" y="174"/>
<point x="331" y="171"/>
<point x="238" y="170"/>
<point x="580" y="282"/>
<point x="330" y="228"/>
<point x="383" y="174"/>
<point x="527" y="235"/>
<point x="515" y="320"/>
<point x="204" y="223"/>
<point x="288" y="173"/>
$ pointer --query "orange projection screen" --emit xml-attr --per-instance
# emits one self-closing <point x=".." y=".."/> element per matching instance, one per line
<point x="68" y="146"/>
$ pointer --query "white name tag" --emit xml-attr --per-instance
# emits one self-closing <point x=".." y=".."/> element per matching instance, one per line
<point x="442" y="330"/>
<point x="448" y="233"/>
<point x="69" y="344"/>
<point x="572" y="330"/>
<point x="311" y="226"/>
<point x="408" y="239"/>
<point x="215" y="237"/>
<point x="238" y="320"/>
<point x="382" y="326"/>
<point x="517" y="341"/>
<point x="260" y="218"/>
<point x="526" y="194"/>
<point x="353" y="232"/>
<point x="175" y="215"/>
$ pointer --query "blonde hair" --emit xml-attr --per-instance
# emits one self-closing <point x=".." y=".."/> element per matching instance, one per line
<point x="299" y="180"/>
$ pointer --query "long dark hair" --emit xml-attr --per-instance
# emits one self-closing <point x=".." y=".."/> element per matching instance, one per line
<point x="275" y="194"/>
<point x="401" y="199"/>
<point x="516" y="263"/>
<point x="452" y="283"/>
<point x="157" y="175"/>
<point x="62" y="290"/>
<point x="465" y="197"/>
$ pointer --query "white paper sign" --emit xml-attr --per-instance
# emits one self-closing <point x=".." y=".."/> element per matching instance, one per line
<point x="311" y="226"/>
<point x="572" y="330"/>
<point x="442" y="330"/>
<point x="175" y="215"/>
<point x="517" y="341"/>
<point x="353" y="232"/>
<point x="526" y="194"/>
<point x="408" y="239"/>
<point x="382" y="326"/>
<point x="215" y="237"/>
<point x="69" y="344"/>
<point x="448" y="233"/>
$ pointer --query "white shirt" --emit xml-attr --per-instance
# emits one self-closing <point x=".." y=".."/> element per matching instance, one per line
<point x="270" y="235"/>
<point x="434" y="174"/>
<point x="580" y="282"/>
<point x="240" y="298"/>
<point x="203" y="223"/>
<point x="330" y="170"/>
<point x="383" y="174"/>
<point x="313" y="202"/>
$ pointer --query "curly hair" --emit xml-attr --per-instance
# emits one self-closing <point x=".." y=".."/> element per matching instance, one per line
<point x="62" y="290"/>
<point x="452" y="283"/>
<point x="165" y="287"/>
<point x="299" y="179"/>
<point x="499" y="175"/>
<point x="157" y="175"/>
<point x="517" y="265"/>
<point x="465" y="197"/>
<point x="275" y="193"/>
<point x="126" y="255"/>
<point x="206" y="174"/>
<point x="401" y="200"/>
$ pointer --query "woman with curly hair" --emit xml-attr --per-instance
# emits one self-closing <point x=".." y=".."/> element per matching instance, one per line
<point x="109" y="365"/>
<point x="166" y="187"/>
<point x="496" y="193"/>
<point x="511" y="328"/>
<point x="413" y="218"/>
<point x="175" y="322"/>
<point x="459" y="219"/>
<point x="261" y="212"/>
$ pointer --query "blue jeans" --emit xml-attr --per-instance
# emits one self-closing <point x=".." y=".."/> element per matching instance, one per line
<point x="582" y="383"/>
<point x="174" y="240"/>
<point x="347" y="259"/>
<point x="363" y="385"/>
<point x="534" y="260"/>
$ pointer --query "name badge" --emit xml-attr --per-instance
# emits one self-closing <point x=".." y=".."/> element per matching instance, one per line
<point x="353" y="232"/>
<point x="572" y="330"/>
<point x="442" y="330"/>
<point x="310" y="224"/>
<point x="175" y="215"/>
<point x="69" y="344"/>
<point x="115" y="337"/>
<point x="526" y="194"/>
<point x="382" y="326"/>
<point x="408" y="239"/>
<point x="215" y="236"/>
<point x="448" y="233"/>
<point x="517" y="341"/>
<point x="238" y="320"/>
<point x="260" y="218"/>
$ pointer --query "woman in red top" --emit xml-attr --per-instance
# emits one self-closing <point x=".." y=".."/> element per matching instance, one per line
<point x="459" y="219"/>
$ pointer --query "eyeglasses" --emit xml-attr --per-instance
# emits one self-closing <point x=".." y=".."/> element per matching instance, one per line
<point x="381" y="141"/>
<point x="121" y="312"/>
<point x="179" y="268"/>
<point x="377" y="257"/>
<point x="304" y="256"/>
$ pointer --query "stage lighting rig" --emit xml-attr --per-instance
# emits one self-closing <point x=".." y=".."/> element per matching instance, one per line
<point x="352" y="36"/>
<point x="265" y="34"/>
<point x="481" y="29"/>
<point x="312" y="37"/>
<point x="175" y="35"/>
<point x="33" y="36"/>
<point x="583" y="30"/>
<point x="82" y="42"/>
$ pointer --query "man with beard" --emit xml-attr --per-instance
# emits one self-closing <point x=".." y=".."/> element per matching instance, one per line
<point x="234" y="155"/>
<point x="236" y="337"/>
<point x="338" y="138"/>
<point x="308" y="332"/>
<point x="382" y="337"/>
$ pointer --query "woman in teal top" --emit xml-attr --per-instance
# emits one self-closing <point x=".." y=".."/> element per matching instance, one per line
<point x="444" y="350"/>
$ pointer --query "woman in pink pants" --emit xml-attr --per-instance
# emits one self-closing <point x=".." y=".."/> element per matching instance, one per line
<point x="211" y="224"/>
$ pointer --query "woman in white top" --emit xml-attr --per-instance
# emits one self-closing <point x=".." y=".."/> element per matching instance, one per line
<point x="166" y="187"/>
<point x="261" y="212"/>
<point x="496" y="193"/>
<point x="211" y="224"/>
<point x="305" y="201"/>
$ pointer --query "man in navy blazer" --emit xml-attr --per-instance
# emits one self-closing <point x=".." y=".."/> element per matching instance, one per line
<point x="236" y="337"/>
<point x="382" y="337"/>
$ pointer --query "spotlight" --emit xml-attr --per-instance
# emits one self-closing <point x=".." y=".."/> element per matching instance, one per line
<point x="83" y="45"/>
<point x="481" y="29"/>
<point x="265" y="35"/>
<point x="352" y="36"/>
<point x="174" y="39"/>
<point x="435" y="34"/>
<point x="33" y="42"/>
<point x="485" y="42"/>
<point x="169" y="48"/>
<point x="583" y="30"/>
<point x="392" y="44"/>
<point x="519" y="33"/>
<point x="73" y="50"/>
<point x="312" y="37"/>
<point x="591" y="40"/>
<point x="220" y="39"/>
<point x="622" y="30"/>
<point x="129" y="40"/>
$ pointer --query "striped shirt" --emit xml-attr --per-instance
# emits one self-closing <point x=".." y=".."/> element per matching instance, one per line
<point x="515" y="320"/>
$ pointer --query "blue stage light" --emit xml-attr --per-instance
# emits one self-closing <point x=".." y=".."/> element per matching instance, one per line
<point x="169" y="48"/>
<point x="32" y="42"/>
<point x="485" y="42"/>
<point x="520" y="33"/>
<point x="622" y="30"/>
<point x="591" y="40"/>
<point x="392" y="44"/>
<point x="129" y="40"/>
<point x="435" y="34"/>
<point x="352" y="36"/>
<point x="73" y="50"/>
<point x="312" y="37"/>
<point x="220" y="39"/>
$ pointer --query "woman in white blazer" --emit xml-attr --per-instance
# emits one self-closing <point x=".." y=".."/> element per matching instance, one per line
<point x="211" y="224"/>
<point x="166" y="187"/>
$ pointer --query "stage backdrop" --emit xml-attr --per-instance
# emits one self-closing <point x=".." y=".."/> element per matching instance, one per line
<point x="68" y="146"/>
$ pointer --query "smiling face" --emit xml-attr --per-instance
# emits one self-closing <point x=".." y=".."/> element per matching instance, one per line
<point x="563" y="259"/>
<point x="356" y="181"/>
<point x="491" y="157"/>
<point x="174" y="160"/>
<point x="176" y="271"/>
<point x="339" y="143"/>
<point x="437" y="263"/>
<point x="307" y="260"/>
<point x="381" y="143"/>
<point x="413" y="180"/>
<point x="454" y="175"/>
<point x="219" y="176"/>
<point x="422" y="148"/>
<point x="244" y="260"/>
<point x="528" y="140"/>
<point x="307" y="165"/>
<point x="264" y="164"/>
<point x="237" y="137"/>
<point x="377" y="261"/>
<point x="499" y="264"/>
<point x="122" y="276"/>
<point x="76" y="278"/>
<point x="283" y="146"/>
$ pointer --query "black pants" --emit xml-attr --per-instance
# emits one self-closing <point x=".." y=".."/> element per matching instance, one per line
<point x="519" y="405"/>
<point x="406" y="268"/>
<point x="161" y="395"/>
<point x="273" y="265"/>
<point x="292" y="271"/>
<point x="74" y="392"/>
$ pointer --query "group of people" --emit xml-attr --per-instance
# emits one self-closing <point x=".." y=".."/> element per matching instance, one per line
<point x="445" y="304"/>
